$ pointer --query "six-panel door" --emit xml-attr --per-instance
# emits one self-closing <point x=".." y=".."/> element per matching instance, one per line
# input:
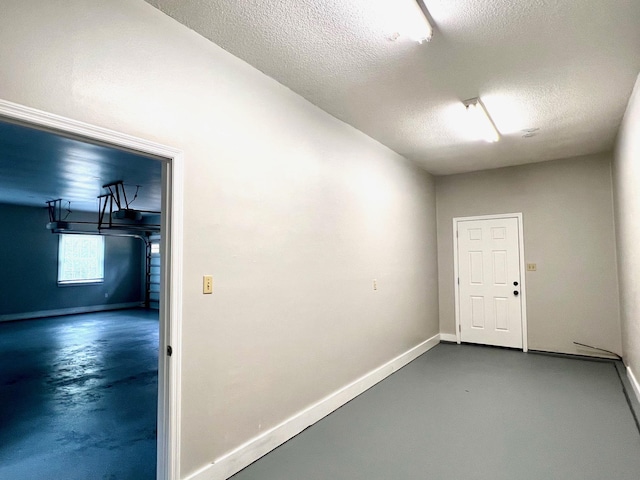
<point x="489" y="275"/>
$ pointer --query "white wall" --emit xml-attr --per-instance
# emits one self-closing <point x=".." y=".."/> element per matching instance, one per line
<point x="626" y="175"/>
<point x="568" y="232"/>
<point x="292" y="211"/>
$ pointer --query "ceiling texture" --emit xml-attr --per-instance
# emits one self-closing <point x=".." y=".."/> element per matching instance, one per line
<point x="566" y="68"/>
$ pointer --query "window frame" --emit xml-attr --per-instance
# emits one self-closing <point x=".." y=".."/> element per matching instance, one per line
<point x="83" y="281"/>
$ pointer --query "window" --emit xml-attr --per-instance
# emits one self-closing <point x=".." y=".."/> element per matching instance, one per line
<point x="80" y="259"/>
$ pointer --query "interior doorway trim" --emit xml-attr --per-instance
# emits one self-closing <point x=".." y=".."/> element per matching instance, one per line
<point x="523" y="288"/>
<point x="168" y="445"/>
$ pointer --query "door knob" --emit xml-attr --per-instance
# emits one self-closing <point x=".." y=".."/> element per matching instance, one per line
<point x="515" y="284"/>
<point x="516" y="292"/>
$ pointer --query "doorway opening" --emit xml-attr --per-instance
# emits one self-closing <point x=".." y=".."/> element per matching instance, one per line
<point x="102" y="338"/>
<point x="489" y="280"/>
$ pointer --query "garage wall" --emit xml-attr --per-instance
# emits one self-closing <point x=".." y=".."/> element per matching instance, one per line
<point x="29" y="259"/>
<point x="568" y="232"/>
<point x="626" y="174"/>
<point x="292" y="211"/>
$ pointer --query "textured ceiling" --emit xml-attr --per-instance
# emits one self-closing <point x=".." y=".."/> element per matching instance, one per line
<point x="565" y="67"/>
<point x="36" y="166"/>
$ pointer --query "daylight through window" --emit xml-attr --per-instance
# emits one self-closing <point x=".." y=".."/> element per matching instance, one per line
<point x="80" y="259"/>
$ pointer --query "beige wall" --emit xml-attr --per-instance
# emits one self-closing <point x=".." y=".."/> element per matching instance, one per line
<point x="626" y="175"/>
<point x="568" y="231"/>
<point x="292" y="211"/>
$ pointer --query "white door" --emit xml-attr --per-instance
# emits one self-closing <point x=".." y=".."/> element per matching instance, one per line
<point x="490" y="306"/>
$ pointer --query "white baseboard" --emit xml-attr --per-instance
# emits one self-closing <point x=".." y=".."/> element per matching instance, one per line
<point x="634" y="382"/>
<point x="67" y="311"/>
<point x="234" y="461"/>
<point x="448" y="337"/>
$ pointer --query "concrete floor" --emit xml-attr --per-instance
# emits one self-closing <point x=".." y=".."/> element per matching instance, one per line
<point x="462" y="412"/>
<point x="78" y="397"/>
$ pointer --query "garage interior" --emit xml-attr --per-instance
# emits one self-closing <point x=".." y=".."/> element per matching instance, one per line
<point x="79" y="383"/>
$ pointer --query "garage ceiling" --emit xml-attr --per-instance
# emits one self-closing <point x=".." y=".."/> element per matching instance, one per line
<point x="565" y="68"/>
<point x="37" y="165"/>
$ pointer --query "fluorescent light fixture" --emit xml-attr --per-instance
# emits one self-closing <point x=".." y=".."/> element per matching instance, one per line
<point x="418" y="27"/>
<point x="480" y="121"/>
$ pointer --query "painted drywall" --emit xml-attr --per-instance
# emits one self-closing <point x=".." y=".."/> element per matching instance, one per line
<point x="568" y="232"/>
<point x="29" y="259"/>
<point x="292" y="211"/>
<point x="626" y="181"/>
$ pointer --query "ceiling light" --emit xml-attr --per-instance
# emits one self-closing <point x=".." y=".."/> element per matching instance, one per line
<point x="418" y="27"/>
<point x="480" y="121"/>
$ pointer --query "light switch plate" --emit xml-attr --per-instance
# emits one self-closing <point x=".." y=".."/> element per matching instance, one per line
<point x="532" y="267"/>
<point x="207" y="284"/>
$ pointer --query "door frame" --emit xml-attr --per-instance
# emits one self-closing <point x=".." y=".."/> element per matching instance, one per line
<point x="170" y="315"/>
<point x="456" y="272"/>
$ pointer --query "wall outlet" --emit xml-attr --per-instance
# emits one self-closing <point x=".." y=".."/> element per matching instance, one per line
<point x="532" y="267"/>
<point x="207" y="284"/>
